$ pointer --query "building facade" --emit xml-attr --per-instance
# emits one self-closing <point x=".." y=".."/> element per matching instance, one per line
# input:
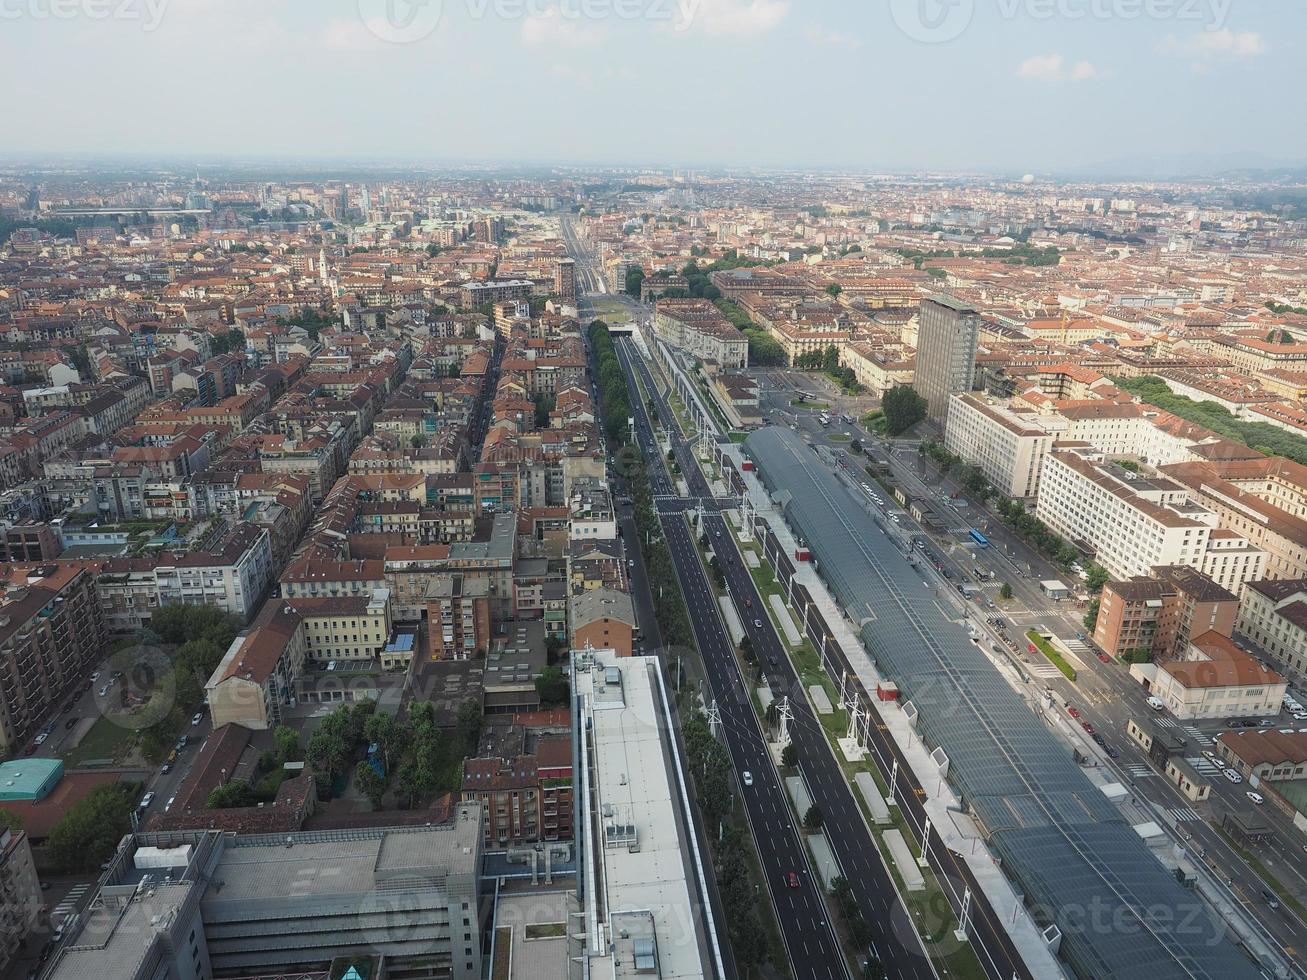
<point x="947" y="336"/>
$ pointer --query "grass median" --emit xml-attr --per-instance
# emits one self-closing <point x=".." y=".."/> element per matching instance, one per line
<point x="1055" y="658"/>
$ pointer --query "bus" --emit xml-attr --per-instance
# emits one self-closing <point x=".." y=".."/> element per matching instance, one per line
<point x="979" y="538"/>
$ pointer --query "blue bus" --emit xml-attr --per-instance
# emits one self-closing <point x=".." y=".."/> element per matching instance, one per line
<point x="979" y="538"/>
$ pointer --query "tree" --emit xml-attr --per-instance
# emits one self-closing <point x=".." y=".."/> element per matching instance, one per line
<point x="746" y="650"/>
<point x="90" y="831"/>
<point x="790" y="756"/>
<point x="417" y="441"/>
<point x="1006" y="591"/>
<point x="903" y="409"/>
<point x="834" y="289"/>
<point x="634" y="277"/>
<point x="855" y="446"/>
<point x="552" y="686"/>
<point x="468" y="725"/>
<point x="1091" y="615"/>
<point x="10" y="821"/>
<point x="1096" y="576"/>
<point x="237" y="793"/>
<point x="288" y="742"/>
<point x="369" y="783"/>
<point x="812" y="820"/>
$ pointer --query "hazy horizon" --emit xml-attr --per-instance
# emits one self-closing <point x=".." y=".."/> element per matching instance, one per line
<point x="954" y="86"/>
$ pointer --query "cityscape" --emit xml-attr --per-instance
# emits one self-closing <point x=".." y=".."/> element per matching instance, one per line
<point x="451" y="535"/>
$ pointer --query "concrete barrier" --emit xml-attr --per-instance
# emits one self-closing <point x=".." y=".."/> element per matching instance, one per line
<point x="904" y="861"/>
<point x="792" y="636"/>
<point x="874" y="798"/>
<point x="819" y="699"/>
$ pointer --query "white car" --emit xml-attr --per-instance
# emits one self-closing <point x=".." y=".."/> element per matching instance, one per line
<point x="757" y="624"/>
<point x="40" y="739"/>
<point x="105" y="690"/>
<point x="1233" y="776"/>
<point x="168" y="806"/>
<point x="197" y="718"/>
<point x="146" y="800"/>
<point x="1255" y="797"/>
<point x="747" y="777"/>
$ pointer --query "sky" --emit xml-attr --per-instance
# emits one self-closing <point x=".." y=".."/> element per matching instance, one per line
<point x="1005" y="86"/>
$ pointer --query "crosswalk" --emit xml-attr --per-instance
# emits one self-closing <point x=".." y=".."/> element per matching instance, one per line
<point x="1183" y="813"/>
<point x="1198" y="736"/>
<point x="1042" y="667"/>
<point x="1139" y="770"/>
<point x="69" y="905"/>
<point x="1081" y="649"/>
<point x="1204" y="767"/>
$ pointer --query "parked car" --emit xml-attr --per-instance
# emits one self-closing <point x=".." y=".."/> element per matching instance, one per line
<point x="197" y="718"/>
<point x="1255" y="797"/>
<point x="1233" y="776"/>
<point x="68" y="725"/>
<point x="1073" y="712"/>
<point x="40" y="739"/>
<point x="146" y="800"/>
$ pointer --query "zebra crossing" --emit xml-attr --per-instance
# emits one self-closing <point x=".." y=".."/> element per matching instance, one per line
<point x="1042" y="667"/>
<point x="1198" y="736"/>
<point x="1139" y="770"/>
<point x="1182" y="813"/>
<point x="69" y="905"/>
<point x="1204" y="767"/>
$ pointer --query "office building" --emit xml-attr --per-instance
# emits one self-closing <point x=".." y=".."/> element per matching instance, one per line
<point x="197" y="904"/>
<point x="565" y="280"/>
<point x="1214" y="679"/>
<point x="1134" y="523"/>
<point x="642" y="901"/>
<point x="1009" y="445"/>
<point x="946" y="353"/>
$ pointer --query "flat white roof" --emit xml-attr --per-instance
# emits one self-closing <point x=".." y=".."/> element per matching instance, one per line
<point x="633" y="787"/>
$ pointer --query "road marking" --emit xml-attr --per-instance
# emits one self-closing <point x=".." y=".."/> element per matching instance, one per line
<point x="1183" y="813"/>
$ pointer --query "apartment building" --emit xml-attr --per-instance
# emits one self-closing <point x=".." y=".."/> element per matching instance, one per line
<point x="52" y="633"/>
<point x="458" y="617"/>
<point x="350" y="629"/>
<point x="1159" y="615"/>
<point x="527" y="798"/>
<point x="946" y="352"/>
<point x="1273" y="614"/>
<point x="255" y="679"/>
<point x="20" y="895"/>
<point x="697" y="326"/>
<point x="1008" y="444"/>
<point x="233" y="577"/>
<point x="877" y="369"/>
<point x="1134" y="523"/>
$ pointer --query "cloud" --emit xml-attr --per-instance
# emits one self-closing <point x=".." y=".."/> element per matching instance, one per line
<point x="737" y="17"/>
<point x="1053" y="68"/>
<point x="834" y="39"/>
<point x="550" y="28"/>
<point x="1224" y="43"/>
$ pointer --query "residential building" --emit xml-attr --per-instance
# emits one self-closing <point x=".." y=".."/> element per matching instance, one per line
<point x="1273" y="614"/>
<point x="947" y="337"/>
<point x="458" y="617"/>
<point x="20" y="895"/>
<point x="1158" y="615"/>
<point x="603" y="619"/>
<point x="1214" y="679"/>
<point x="234" y="576"/>
<point x="255" y="679"/>
<point x="52" y="634"/>
<point x="1008" y="444"/>
<point x="526" y="798"/>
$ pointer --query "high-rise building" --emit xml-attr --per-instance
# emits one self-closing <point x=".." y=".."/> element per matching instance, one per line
<point x="565" y="279"/>
<point x="946" y="352"/>
<point x="20" y="894"/>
